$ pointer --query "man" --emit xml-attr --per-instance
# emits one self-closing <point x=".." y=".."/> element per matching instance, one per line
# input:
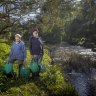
<point x="18" y="52"/>
<point x="36" y="46"/>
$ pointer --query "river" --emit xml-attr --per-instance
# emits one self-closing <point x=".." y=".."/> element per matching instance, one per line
<point x="79" y="66"/>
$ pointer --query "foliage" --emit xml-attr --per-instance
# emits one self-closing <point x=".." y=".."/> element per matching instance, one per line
<point x="49" y="83"/>
<point x="2" y="79"/>
<point x="73" y="20"/>
<point x="27" y="89"/>
<point x="46" y="57"/>
<point x="64" y="20"/>
<point x="12" y="14"/>
<point x="4" y="50"/>
<point x="54" y="82"/>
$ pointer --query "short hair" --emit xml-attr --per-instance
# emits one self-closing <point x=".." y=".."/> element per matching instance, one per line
<point x="18" y="35"/>
<point x="35" y="29"/>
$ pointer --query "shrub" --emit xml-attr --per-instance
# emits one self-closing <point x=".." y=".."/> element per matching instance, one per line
<point x="28" y="89"/>
<point x="2" y="80"/>
<point x="4" y="50"/>
<point x="46" y="57"/>
<point x="54" y="82"/>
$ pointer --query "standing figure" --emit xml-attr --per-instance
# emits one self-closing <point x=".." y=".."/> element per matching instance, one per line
<point x="36" y="46"/>
<point x="18" y="52"/>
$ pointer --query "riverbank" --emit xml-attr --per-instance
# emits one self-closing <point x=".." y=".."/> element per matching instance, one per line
<point x="50" y="83"/>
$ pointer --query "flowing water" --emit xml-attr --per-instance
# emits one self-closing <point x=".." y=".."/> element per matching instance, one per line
<point x="80" y="80"/>
<point x="84" y="83"/>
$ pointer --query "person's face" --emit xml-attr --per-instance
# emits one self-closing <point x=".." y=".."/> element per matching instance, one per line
<point x="35" y="34"/>
<point x="17" y="39"/>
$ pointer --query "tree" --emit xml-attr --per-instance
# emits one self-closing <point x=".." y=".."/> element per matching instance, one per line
<point x="12" y="13"/>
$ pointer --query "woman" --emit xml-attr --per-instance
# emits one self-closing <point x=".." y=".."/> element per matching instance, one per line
<point x="36" y="47"/>
<point x="18" y="52"/>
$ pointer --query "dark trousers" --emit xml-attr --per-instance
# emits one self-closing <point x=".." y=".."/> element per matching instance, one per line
<point x="20" y="63"/>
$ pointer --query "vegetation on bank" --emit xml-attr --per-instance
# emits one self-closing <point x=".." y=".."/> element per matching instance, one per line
<point x="4" y="50"/>
<point x="51" y="82"/>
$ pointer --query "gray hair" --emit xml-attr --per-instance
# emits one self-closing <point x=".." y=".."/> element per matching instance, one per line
<point x="18" y="35"/>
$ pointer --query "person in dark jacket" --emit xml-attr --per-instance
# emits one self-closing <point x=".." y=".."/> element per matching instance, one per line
<point x="18" y="52"/>
<point x="36" y="46"/>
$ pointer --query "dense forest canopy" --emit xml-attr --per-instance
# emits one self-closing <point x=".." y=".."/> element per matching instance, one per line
<point x="73" y="21"/>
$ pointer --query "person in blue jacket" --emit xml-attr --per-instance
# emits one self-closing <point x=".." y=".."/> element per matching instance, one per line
<point x="36" y="46"/>
<point x="18" y="52"/>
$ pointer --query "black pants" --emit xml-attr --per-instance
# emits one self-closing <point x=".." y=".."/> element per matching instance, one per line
<point x="20" y="63"/>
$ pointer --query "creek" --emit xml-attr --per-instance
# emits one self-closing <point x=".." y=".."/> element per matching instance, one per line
<point x="78" y="63"/>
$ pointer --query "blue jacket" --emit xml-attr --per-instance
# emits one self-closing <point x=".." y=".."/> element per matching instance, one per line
<point x="18" y="51"/>
<point x="35" y="46"/>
